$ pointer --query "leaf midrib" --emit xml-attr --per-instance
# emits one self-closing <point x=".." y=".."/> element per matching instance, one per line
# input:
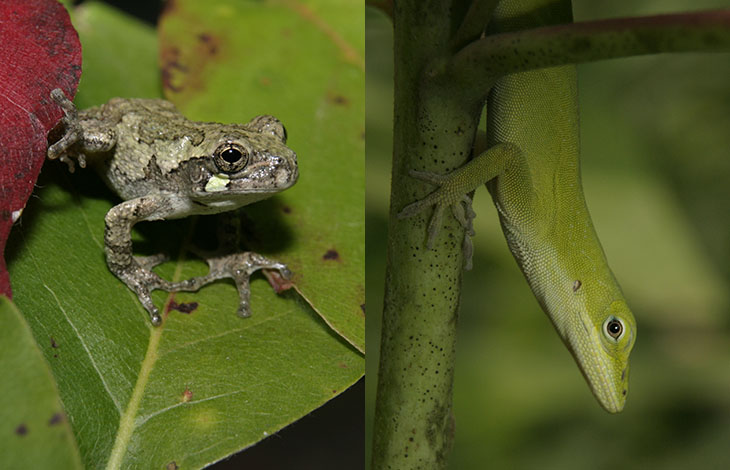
<point x="127" y="419"/>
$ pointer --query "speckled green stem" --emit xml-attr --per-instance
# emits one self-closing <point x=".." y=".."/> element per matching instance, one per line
<point x="434" y="131"/>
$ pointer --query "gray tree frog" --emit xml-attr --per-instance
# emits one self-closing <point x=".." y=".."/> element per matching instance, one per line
<point x="165" y="167"/>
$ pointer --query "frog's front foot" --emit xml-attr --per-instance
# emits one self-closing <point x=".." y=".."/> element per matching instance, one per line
<point x="239" y="267"/>
<point x="73" y="132"/>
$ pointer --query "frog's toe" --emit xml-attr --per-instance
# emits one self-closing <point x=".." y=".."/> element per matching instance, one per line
<point x="283" y="270"/>
<point x="155" y="318"/>
<point x="244" y="293"/>
<point x="146" y="301"/>
<point x="244" y="311"/>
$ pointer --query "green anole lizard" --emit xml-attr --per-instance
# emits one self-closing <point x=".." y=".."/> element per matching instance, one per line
<point x="531" y="168"/>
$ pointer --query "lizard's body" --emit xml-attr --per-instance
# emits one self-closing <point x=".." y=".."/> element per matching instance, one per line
<point x="532" y="171"/>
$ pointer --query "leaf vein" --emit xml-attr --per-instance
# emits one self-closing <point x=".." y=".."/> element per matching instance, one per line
<point x="117" y="405"/>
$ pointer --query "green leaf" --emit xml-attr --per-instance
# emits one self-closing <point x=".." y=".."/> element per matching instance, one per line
<point x="34" y="431"/>
<point x="119" y="56"/>
<point x="206" y="384"/>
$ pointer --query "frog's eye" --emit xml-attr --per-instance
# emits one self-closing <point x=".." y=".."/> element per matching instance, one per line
<point x="613" y="328"/>
<point x="269" y="125"/>
<point x="230" y="157"/>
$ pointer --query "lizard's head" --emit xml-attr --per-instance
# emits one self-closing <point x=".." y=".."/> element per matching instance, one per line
<point x="601" y="342"/>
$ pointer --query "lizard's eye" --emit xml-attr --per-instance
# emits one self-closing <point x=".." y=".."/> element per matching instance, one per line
<point x="614" y="328"/>
<point x="230" y="157"/>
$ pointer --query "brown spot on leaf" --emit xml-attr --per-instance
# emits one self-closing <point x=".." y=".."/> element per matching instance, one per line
<point x="53" y="343"/>
<point x="171" y="466"/>
<point x="184" y="66"/>
<point x="362" y="307"/>
<point x="339" y="99"/>
<point x="286" y="209"/>
<point x="55" y="419"/>
<point x="209" y="43"/>
<point x="173" y="71"/>
<point x="186" y="308"/>
<point x="21" y="430"/>
<point x="331" y="254"/>
<point x="187" y="395"/>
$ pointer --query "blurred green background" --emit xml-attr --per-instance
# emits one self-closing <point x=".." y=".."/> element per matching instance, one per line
<point x="656" y="171"/>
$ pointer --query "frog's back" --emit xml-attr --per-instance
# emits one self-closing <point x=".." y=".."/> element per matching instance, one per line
<point x="116" y="108"/>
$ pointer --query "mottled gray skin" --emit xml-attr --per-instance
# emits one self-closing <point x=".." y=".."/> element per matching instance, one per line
<point x="167" y="167"/>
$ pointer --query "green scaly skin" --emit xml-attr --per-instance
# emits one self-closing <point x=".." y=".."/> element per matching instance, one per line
<point x="532" y="171"/>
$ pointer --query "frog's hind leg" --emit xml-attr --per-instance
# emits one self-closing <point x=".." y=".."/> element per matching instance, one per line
<point x="228" y="262"/>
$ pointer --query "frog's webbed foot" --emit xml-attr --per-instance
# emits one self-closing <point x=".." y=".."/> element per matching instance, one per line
<point x="73" y="134"/>
<point x="444" y="196"/>
<point x="237" y="266"/>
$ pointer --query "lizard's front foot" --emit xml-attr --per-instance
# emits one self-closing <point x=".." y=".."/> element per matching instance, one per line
<point x="447" y="195"/>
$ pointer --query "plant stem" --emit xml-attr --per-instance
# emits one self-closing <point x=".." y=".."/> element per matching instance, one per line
<point x="432" y="130"/>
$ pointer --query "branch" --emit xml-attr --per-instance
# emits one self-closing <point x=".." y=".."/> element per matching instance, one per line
<point x="487" y="59"/>
<point x="475" y="21"/>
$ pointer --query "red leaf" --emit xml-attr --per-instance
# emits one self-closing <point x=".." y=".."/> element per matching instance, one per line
<point x="40" y="51"/>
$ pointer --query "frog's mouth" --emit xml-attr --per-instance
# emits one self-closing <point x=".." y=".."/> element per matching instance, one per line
<point x="231" y="199"/>
<point x="227" y="192"/>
